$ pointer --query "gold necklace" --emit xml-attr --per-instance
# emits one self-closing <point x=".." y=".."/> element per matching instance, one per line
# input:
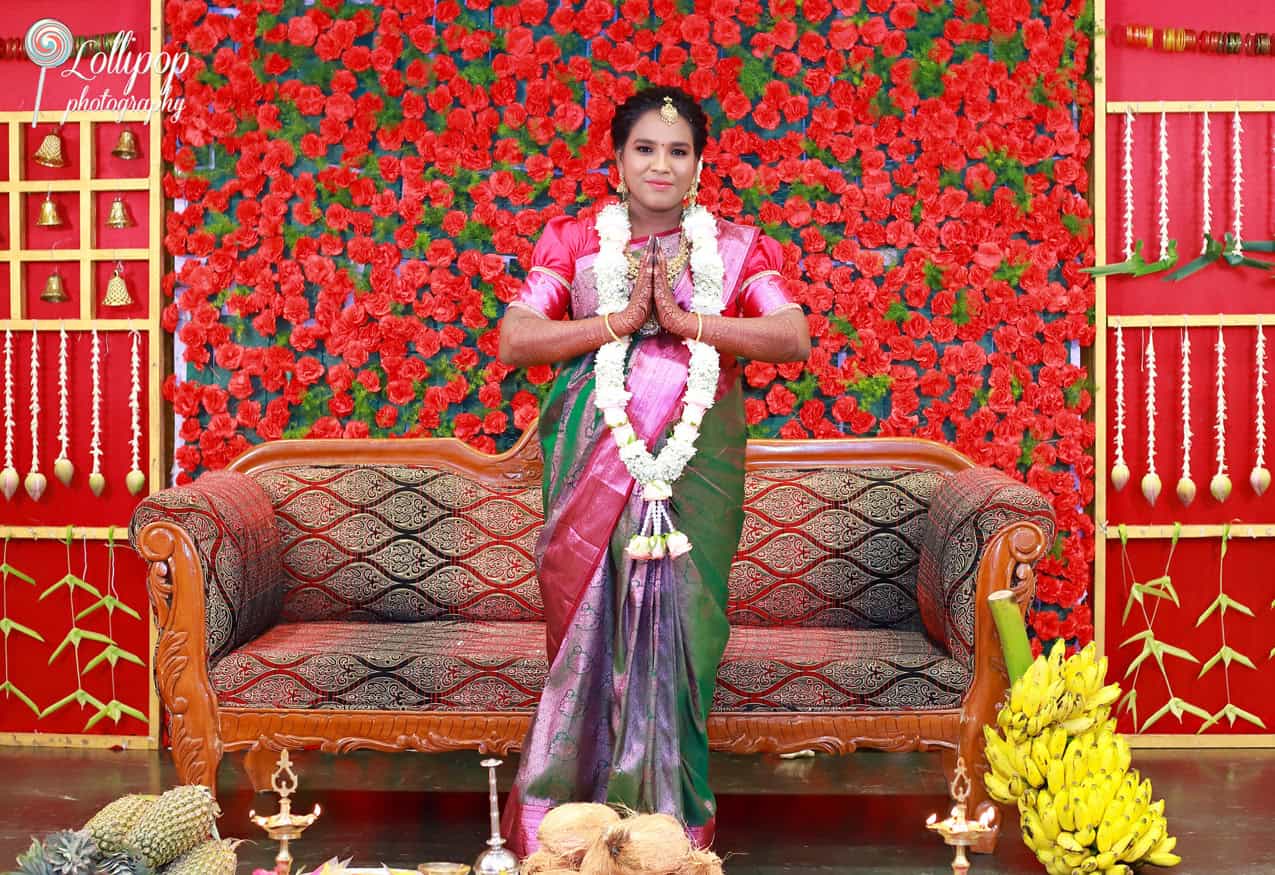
<point x="675" y="265"/>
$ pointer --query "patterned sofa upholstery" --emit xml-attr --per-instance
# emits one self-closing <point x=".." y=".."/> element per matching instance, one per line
<point x="344" y="594"/>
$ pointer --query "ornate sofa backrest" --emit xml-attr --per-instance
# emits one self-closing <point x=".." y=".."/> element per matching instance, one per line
<point x="422" y="529"/>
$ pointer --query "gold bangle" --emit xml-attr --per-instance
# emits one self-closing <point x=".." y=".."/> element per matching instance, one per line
<point x="606" y="320"/>
<point x="699" y="327"/>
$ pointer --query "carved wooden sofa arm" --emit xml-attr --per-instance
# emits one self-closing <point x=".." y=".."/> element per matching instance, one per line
<point x="216" y="582"/>
<point x="986" y="533"/>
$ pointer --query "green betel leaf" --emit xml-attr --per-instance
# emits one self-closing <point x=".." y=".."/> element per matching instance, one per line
<point x="7" y="626"/>
<point x="8" y="688"/>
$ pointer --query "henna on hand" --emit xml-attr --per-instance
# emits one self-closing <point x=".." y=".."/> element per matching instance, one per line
<point x="670" y="314"/>
<point x="638" y="310"/>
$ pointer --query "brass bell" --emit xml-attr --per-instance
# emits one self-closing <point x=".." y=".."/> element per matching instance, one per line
<point x="50" y="152"/>
<point x="119" y="216"/>
<point x="126" y="147"/>
<point x="49" y="216"/>
<point x="117" y="290"/>
<point x="54" y="292"/>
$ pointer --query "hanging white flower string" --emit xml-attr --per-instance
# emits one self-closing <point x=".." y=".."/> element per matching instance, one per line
<point x="1163" y="189"/>
<point x="62" y="467"/>
<point x="136" y="479"/>
<point x="1128" y="184"/>
<point x="1119" y="470"/>
<point x="656" y="475"/>
<point x="1150" y="480"/>
<point x="1260" y="478"/>
<point x="1186" y="486"/>
<point x="9" y="476"/>
<point x="35" y="482"/>
<point x="96" y="481"/>
<point x="1220" y="485"/>
<point x="1206" y="182"/>
<point x="1237" y="181"/>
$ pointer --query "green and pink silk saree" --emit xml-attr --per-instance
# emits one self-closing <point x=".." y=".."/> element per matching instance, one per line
<point x="633" y="646"/>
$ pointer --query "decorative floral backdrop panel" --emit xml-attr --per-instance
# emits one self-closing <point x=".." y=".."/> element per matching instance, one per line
<point x="360" y="186"/>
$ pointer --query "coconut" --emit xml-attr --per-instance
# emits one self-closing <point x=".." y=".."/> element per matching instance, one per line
<point x="568" y="831"/>
<point x="543" y="862"/>
<point x="646" y="844"/>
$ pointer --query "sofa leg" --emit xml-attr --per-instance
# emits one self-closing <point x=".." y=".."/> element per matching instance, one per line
<point x="260" y="762"/>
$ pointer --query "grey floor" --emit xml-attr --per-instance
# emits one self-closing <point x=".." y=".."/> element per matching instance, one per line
<point x="862" y="813"/>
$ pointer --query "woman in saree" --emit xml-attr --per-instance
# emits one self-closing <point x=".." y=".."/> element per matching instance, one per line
<point x="648" y="308"/>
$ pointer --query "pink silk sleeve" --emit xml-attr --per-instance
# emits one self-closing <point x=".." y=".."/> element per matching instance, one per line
<point x="763" y="291"/>
<point x="547" y="289"/>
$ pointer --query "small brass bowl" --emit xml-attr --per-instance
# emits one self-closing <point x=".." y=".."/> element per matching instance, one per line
<point x="443" y="869"/>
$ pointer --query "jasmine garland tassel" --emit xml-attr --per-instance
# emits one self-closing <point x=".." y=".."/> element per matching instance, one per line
<point x="62" y="467"/>
<point x="35" y="482"/>
<point x="9" y="476"/>
<point x="1220" y="485"/>
<point x="1150" y="480"/>
<point x="1260" y="478"/>
<point x="96" y="481"/>
<point x="1119" y="470"/>
<point x="136" y="479"/>
<point x="1186" y="486"/>
<point x="658" y="535"/>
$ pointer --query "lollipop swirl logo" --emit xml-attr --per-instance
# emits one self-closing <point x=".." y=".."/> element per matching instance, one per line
<point x="48" y="44"/>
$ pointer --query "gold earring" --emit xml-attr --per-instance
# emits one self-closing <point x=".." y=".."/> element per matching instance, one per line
<point x="623" y="190"/>
<point x="691" y="195"/>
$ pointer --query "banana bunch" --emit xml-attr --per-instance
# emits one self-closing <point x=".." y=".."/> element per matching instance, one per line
<point x="1059" y="758"/>
<point x="1094" y="814"/>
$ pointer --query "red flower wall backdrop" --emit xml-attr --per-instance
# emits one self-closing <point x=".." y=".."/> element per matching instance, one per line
<point x="360" y="186"/>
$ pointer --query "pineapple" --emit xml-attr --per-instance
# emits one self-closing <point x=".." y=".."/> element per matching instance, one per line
<point x="123" y="863"/>
<point x="71" y="853"/>
<point x="213" y="857"/>
<point x="33" y="862"/>
<point x="109" y="826"/>
<point x="178" y="821"/>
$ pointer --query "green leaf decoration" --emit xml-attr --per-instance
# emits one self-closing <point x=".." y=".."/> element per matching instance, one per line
<point x="1158" y="649"/>
<point x="111" y="654"/>
<point x="7" y="570"/>
<point x="1165" y="583"/>
<point x="1232" y="713"/>
<point x="1226" y="655"/>
<point x="112" y="604"/>
<point x="71" y="582"/>
<point x="7" y="626"/>
<point x="1211" y="254"/>
<point x="75" y="636"/>
<point x="7" y="687"/>
<point x="116" y="710"/>
<point x="81" y="697"/>
<point x="1145" y="633"/>
<point x="1153" y="588"/>
<point x="1129" y="703"/>
<point x="1224" y="603"/>
<point x="1130" y="266"/>
<point x="1167" y="262"/>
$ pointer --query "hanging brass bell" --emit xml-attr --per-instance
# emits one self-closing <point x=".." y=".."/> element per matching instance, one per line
<point x="49" y="216"/>
<point x="126" y="146"/>
<point x="117" y="290"/>
<point x="54" y="291"/>
<point x="119" y="216"/>
<point x="50" y="152"/>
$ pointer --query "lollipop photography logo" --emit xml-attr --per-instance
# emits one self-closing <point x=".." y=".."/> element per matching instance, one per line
<point x="49" y="44"/>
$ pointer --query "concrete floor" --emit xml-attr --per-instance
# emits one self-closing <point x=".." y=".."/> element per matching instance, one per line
<point x="862" y="813"/>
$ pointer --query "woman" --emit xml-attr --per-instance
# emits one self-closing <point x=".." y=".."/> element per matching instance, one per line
<point x="635" y="551"/>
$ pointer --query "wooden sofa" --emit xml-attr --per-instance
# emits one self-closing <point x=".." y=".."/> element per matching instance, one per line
<point x="381" y="594"/>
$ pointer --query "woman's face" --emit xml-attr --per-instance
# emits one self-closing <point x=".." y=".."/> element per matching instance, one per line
<point x="658" y="162"/>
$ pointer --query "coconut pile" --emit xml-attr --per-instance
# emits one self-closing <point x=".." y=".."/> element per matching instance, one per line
<point x="594" y="839"/>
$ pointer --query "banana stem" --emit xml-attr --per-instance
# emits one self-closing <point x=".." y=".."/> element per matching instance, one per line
<point x="1013" y="633"/>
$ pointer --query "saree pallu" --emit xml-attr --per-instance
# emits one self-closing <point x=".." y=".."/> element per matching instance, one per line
<point x="634" y="646"/>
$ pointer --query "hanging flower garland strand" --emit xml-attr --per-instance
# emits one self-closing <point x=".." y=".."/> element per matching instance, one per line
<point x="1260" y="478"/>
<point x="1220" y="485"/>
<point x="1119" y="470"/>
<point x="35" y="481"/>
<point x="62" y="467"/>
<point x="136" y="479"/>
<point x="9" y="476"/>
<point x="1150" y="480"/>
<point x="96" y="481"/>
<point x="1186" y="486"/>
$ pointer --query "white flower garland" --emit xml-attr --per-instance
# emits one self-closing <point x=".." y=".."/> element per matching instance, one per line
<point x="1128" y="184"/>
<point x="35" y="481"/>
<point x="9" y="476"/>
<point x="1164" y="188"/>
<point x="96" y="480"/>
<point x="656" y="474"/>
<point x="1186" y="486"/>
<point x="136" y="479"/>
<point x="1206" y="183"/>
<point x="1151" y="480"/>
<point x="1220" y="485"/>
<point x="1260" y="478"/>
<point x="1237" y="178"/>
<point x="62" y="465"/>
<point x="1119" y="470"/>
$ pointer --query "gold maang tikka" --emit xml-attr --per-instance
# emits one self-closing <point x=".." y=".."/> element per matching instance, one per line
<point x="668" y="112"/>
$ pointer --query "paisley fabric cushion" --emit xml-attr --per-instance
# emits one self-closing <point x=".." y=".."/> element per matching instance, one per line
<point x="830" y="547"/>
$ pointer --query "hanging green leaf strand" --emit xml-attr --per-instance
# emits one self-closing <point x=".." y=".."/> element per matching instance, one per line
<point x="1226" y="654"/>
<point x="74" y="635"/>
<point x="8" y="626"/>
<point x="1160" y="588"/>
<point x="112" y="653"/>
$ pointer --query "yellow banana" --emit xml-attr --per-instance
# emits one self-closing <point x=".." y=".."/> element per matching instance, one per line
<point x="1067" y="841"/>
<point x="1055" y="776"/>
<point x="997" y="787"/>
<point x="1166" y="860"/>
<point x="1166" y="844"/>
<point x="1031" y="773"/>
<point x="1057" y="743"/>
